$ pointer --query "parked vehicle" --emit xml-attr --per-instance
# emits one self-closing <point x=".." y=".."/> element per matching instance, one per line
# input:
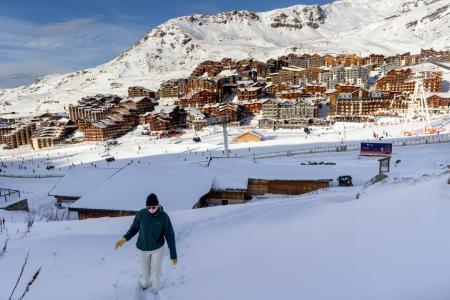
<point x="170" y="133"/>
<point x="110" y="159"/>
<point x="345" y="180"/>
<point x="50" y="167"/>
<point x="112" y="142"/>
<point x="197" y="139"/>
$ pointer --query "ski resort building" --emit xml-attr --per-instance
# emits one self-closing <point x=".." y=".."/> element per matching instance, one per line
<point x="93" y="108"/>
<point x="164" y="118"/>
<point x="17" y="135"/>
<point x="249" y="93"/>
<point x="248" y="137"/>
<point x="51" y="133"/>
<point x="105" y="117"/>
<point x="439" y="102"/>
<point x="358" y="105"/>
<point x="198" y="99"/>
<point x="401" y="81"/>
<point x="139" y="91"/>
<point x="171" y="89"/>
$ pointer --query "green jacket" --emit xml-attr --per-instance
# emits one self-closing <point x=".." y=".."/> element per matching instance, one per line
<point x="152" y="228"/>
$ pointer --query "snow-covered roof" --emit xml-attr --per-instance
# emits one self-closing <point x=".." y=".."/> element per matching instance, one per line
<point x="439" y="94"/>
<point x="133" y="99"/>
<point x="234" y="173"/>
<point x="194" y="112"/>
<point x="228" y="73"/>
<point x="78" y="181"/>
<point x="293" y="68"/>
<point x="100" y="125"/>
<point x="250" y="89"/>
<point x="164" y="108"/>
<point x="177" y="188"/>
<point x="245" y="82"/>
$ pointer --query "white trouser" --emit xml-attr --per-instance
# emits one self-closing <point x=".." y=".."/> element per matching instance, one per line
<point x="150" y="266"/>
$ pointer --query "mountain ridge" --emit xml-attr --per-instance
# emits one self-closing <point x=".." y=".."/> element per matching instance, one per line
<point x="175" y="47"/>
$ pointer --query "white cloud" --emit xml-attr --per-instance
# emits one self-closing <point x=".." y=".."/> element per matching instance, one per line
<point x="29" y="50"/>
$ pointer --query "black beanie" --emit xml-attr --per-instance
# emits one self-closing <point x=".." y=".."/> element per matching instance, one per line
<point x="152" y="200"/>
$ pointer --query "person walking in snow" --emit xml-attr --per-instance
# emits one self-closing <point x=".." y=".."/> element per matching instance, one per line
<point x="154" y="228"/>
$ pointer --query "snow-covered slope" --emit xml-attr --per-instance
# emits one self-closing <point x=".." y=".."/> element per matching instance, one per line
<point x="172" y="49"/>
<point x="386" y="245"/>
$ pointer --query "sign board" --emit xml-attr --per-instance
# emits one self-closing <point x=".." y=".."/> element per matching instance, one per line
<point x="376" y="149"/>
<point x="384" y="165"/>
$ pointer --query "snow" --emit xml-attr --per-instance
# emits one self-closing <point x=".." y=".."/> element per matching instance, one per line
<point x="78" y="181"/>
<point x="284" y="169"/>
<point x="361" y="27"/>
<point x="390" y="242"/>
<point x="177" y="188"/>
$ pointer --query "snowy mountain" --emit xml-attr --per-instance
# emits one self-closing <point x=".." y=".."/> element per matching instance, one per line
<point x="175" y="47"/>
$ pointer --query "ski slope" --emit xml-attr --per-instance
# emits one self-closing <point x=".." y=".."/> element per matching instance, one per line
<point x="388" y="244"/>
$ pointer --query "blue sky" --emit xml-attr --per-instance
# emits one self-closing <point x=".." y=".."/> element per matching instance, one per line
<point x="38" y="37"/>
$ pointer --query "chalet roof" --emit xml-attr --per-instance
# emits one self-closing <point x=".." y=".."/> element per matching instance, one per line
<point x="305" y="100"/>
<point x="250" y="133"/>
<point x="100" y="125"/>
<point x="165" y="108"/>
<point x="177" y="188"/>
<point x="228" y="107"/>
<point x="138" y="87"/>
<point x="251" y="101"/>
<point x="291" y="91"/>
<point x="228" y="73"/>
<point x="264" y="100"/>
<point x="133" y="99"/>
<point x="293" y="68"/>
<point x="123" y="112"/>
<point x="250" y="89"/>
<point x="230" y="179"/>
<point x="78" y="181"/>
<point x="440" y="94"/>
<point x="113" y="119"/>
<point x="194" y="112"/>
<point x="245" y="82"/>
<point x="207" y="105"/>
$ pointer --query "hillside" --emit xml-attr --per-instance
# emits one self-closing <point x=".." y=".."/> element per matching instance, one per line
<point x="385" y="245"/>
<point x="173" y="48"/>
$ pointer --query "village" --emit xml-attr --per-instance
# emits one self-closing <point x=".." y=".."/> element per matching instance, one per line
<point x="288" y="106"/>
<point x="290" y="92"/>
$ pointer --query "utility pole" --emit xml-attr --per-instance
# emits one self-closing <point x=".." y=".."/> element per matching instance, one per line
<point x="225" y="137"/>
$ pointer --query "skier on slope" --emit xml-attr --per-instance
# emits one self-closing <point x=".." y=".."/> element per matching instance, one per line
<point x="154" y="226"/>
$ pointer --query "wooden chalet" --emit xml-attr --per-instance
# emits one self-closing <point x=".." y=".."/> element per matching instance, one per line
<point x="78" y="181"/>
<point x="248" y="137"/>
<point x="125" y="192"/>
<point x="139" y="91"/>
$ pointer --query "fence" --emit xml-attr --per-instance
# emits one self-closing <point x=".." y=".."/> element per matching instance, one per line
<point x="32" y="176"/>
<point x="434" y="139"/>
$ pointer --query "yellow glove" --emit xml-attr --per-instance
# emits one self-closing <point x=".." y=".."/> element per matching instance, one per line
<point x="120" y="243"/>
<point x="174" y="261"/>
